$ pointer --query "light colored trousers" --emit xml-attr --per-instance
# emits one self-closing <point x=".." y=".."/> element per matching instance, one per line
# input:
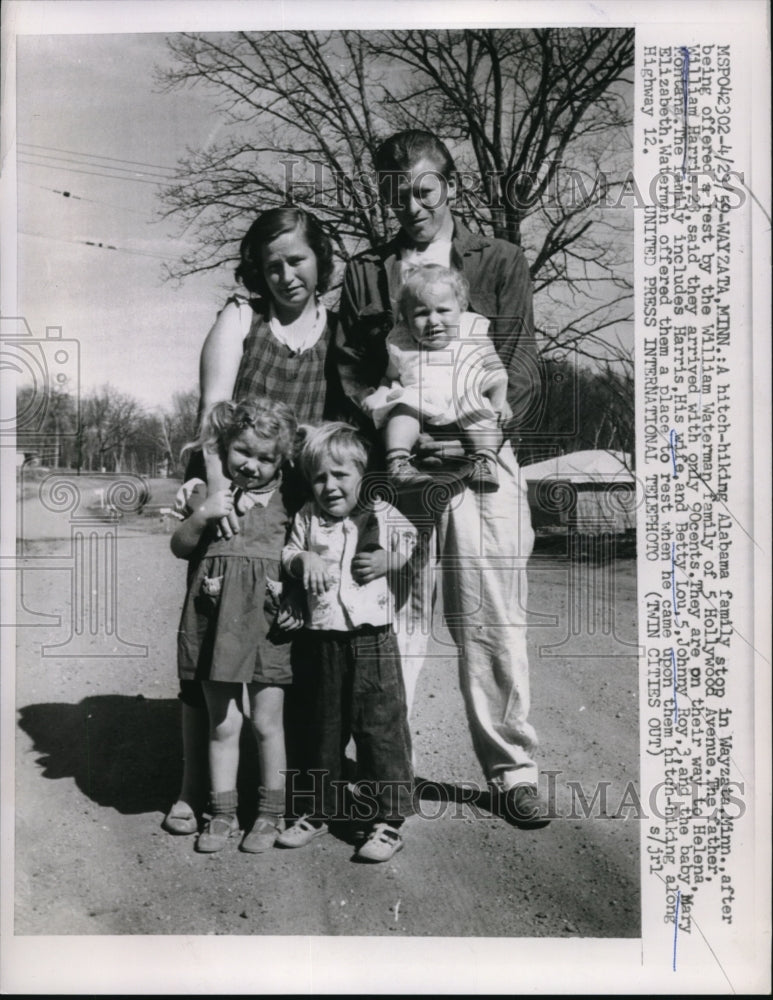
<point x="484" y="541"/>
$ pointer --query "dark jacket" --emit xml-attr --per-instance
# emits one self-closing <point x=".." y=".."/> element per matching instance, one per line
<point x="500" y="290"/>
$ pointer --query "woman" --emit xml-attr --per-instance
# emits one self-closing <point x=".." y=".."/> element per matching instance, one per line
<point x="274" y="344"/>
<point x="484" y="540"/>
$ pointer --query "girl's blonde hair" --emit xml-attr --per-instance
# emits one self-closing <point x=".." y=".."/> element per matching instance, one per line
<point x="418" y="278"/>
<point x="335" y="439"/>
<point x="227" y="420"/>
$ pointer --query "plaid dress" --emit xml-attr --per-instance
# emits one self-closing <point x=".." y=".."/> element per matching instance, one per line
<point x="307" y="381"/>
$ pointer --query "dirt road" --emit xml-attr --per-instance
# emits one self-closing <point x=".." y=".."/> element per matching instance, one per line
<point x="98" y="764"/>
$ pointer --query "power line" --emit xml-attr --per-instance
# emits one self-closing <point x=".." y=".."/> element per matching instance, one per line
<point x="78" y="197"/>
<point x="90" y="173"/>
<point x="99" y="245"/>
<point x="95" y="156"/>
<point x="102" y="166"/>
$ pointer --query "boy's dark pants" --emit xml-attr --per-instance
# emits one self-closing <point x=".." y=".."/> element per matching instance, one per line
<point x="353" y="686"/>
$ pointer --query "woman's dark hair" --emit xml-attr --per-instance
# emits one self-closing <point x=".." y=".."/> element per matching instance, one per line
<point x="266" y="228"/>
<point x="403" y="150"/>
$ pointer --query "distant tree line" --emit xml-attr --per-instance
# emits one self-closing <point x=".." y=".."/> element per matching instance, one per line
<point x="110" y="431"/>
<point x="106" y="430"/>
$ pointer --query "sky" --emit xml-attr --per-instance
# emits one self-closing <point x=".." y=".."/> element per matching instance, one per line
<point x="93" y="123"/>
<point x="95" y="138"/>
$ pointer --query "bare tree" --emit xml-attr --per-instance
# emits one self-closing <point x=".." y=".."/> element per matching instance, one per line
<point x="539" y="122"/>
<point x="543" y="122"/>
<point x="181" y="425"/>
<point x="110" y="431"/>
<point x="290" y="100"/>
<point x="110" y="422"/>
<point x="617" y="387"/>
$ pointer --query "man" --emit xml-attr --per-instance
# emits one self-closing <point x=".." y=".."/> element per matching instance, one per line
<point x="416" y="175"/>
<point x="484" y="541"/>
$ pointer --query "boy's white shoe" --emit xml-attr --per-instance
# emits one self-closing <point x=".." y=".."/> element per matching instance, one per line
<point x="383" y="842"/>
<point x="301" y="833"/>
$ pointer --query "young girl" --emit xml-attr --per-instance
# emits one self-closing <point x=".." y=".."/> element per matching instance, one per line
<point x="443" y="370"/>
<point x="229" y="627"/>
<point x="350" y="555"/>
<point x="273" y="342"/>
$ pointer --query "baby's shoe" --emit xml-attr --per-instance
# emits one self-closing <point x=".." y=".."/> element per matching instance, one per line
<point x="484" y="477"/>
<point x="402" y="472"/>
<point x="263" y="835"/>
<point x="382" y="844"/>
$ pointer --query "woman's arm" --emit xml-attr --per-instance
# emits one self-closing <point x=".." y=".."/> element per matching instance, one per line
<point x="221" y="356"/>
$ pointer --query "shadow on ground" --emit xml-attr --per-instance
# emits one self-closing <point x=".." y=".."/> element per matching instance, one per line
<point x="122" y="752"/>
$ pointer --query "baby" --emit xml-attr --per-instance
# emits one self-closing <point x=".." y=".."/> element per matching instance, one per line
<point x="443" y="371"/>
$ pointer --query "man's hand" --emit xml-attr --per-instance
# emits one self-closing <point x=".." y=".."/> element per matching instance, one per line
<point x="371" y="565"/>
<point x="428" y="447"/>
<point x="368" y="404"/>
<point x="504" y="410"/>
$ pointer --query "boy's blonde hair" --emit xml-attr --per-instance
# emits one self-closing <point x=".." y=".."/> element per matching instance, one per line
<point x="424" y="275"/>
<point x="334" y="439"/>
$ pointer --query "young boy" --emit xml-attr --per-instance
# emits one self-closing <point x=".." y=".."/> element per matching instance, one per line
<point x="350" y="556"/>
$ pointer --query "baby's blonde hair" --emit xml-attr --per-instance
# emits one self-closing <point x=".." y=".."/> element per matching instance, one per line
<point x="419" y="278"/>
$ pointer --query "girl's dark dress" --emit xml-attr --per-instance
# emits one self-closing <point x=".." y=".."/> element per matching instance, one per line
<point x="227" y="630"/>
